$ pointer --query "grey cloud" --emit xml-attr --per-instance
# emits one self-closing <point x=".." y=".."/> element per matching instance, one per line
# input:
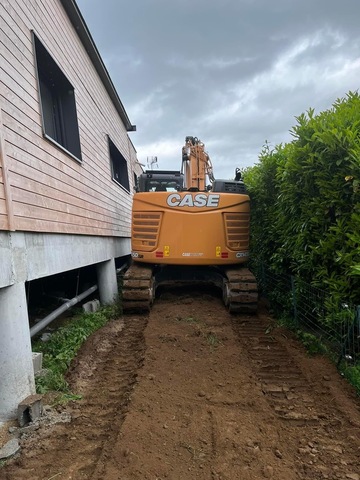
<point x="232" y="72"/>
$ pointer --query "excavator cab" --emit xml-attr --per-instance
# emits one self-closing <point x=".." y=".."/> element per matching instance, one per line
<point x="160" y="181"/>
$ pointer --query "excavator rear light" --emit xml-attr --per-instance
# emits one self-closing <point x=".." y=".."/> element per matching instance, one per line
<point x="159" y="254"/>
<point x="224" y="255"/>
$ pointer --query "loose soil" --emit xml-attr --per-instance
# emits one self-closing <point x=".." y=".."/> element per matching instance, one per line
<point x="192" y="392"/>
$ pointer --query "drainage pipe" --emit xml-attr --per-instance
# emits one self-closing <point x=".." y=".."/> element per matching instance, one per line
<point x="122" y="268"/>
<point x="56" y="313"/>
<point x="70" y="303"/>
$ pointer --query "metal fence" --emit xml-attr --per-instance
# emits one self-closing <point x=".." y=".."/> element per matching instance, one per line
<point x="311" y="311"/>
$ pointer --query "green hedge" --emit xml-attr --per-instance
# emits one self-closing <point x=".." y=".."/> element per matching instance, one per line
<point x="306" y="201"/>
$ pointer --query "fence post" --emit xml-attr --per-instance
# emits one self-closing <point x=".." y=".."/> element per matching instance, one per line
<point x="294" y="300"/>
<point x="263" y="279"/>
<point x="350" y="336"/>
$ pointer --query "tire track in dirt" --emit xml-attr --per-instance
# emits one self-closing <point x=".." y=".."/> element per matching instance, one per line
<point x="328" y="442"/>
<point x="210" y="396"/>
<point x="104" y="373"/>
<point x="195" y="413"/>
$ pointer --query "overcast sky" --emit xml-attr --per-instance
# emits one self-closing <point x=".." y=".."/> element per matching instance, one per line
<point x="234" y="73"/>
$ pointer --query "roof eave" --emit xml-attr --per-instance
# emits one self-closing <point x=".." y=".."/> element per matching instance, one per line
<point x="79" y="24"/>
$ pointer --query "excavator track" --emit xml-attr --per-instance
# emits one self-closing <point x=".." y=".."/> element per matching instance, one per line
<point x="240" y="294"/>
<point x="138" y="289"/>
<point x="239" y="288"/>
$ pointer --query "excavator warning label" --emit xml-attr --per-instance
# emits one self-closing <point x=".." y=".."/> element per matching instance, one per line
<point x="190" y="200"/>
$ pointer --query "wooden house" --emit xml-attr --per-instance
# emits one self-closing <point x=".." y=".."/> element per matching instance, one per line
<point x="67" y="168"/>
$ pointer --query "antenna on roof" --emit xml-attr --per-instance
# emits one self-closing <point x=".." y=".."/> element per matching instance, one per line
<point x="151" y="161"/>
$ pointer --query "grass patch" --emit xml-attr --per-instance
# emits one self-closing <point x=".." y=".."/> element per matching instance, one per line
<point x="213" y="340"/>
<point x="352" y="374"/>
<point x="312" y="343"/>
<point x="314" y="346"/>
<point x="187" y="319"/>
<point x="62" y="347"/>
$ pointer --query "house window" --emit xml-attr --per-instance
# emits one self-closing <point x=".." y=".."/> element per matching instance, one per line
<point x="119" y="168"/>
<point x="57" y="99"/>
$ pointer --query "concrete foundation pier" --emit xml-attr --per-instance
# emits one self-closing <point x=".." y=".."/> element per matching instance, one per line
<point x="16" y="366"/>
<point x="107" y="282"/>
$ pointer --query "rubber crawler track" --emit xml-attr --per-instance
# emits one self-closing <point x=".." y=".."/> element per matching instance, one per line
<point x="239" y="290"/>
<point x="138" y="289"/>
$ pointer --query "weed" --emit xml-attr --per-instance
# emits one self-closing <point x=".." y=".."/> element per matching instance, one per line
<point x="352" y="374"/>
<point x="313" y="344"/>
<point x="66" y="397"/>
<point x="212" y="340"/>
<point x="285" y="320"/>
<point x="189" y="448"/>
<point x="187" y="319"/>
<point x="168" y="338"/>
<point x="53" y="378"/>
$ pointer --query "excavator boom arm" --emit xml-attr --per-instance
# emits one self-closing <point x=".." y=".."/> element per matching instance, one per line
<point x="196" y="164"/>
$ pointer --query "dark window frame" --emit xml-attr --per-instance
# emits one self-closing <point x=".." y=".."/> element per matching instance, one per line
<point x="57" y="103"/>
<point x="119" y="166"/>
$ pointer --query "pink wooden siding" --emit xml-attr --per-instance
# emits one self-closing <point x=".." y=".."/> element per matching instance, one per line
<point x="49" y="190"/>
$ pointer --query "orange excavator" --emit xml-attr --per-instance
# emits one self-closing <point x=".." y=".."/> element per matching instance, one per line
<point x="188" y="227"/>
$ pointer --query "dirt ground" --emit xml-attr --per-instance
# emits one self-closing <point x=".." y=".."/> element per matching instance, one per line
<point x="192" y="392"/>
